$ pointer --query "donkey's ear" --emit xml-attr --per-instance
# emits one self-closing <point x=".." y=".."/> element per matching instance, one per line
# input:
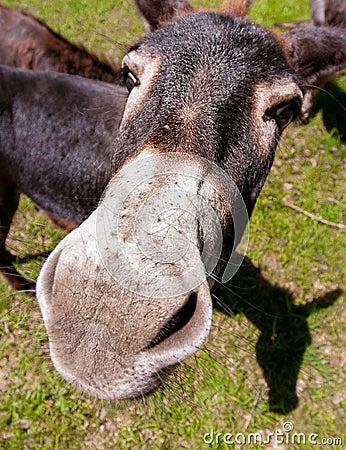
<point x="157" y="13"/>
<point x="237" y="8"/>
<point x="315" y="52"/>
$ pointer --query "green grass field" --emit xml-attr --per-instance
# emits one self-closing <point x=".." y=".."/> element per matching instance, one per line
<point x="276" y="355"/>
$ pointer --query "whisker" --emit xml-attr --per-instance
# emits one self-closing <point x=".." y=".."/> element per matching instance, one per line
<point x="220" y="327"/>
<point x="223" y="305"/>
<point x="217" y="279"/>
<point x="124" y="48"/>
<point x="319" y="88"/>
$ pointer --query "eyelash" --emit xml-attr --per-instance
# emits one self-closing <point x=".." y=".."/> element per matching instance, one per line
<point x="130" y="79"/>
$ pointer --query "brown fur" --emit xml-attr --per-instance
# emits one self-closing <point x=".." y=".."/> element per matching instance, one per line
<point x="148" y="9"/>
<point x="29" y="43"/>
<point x="237" y="8"/>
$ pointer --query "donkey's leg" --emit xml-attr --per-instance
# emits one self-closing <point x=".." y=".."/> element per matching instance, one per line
<point x="9" y="199"/>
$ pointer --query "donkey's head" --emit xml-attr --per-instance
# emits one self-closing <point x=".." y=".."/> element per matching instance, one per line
<point x="125" y="297"/>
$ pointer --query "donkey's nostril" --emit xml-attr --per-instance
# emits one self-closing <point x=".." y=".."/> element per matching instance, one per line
<point x="176" y="322"/>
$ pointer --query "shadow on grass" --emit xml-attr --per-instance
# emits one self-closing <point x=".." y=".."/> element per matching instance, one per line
<point x="284" y="329"/>
<point x="332" y="102"/>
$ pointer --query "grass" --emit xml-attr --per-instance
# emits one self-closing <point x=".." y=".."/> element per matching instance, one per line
<point x="276" y="353"/>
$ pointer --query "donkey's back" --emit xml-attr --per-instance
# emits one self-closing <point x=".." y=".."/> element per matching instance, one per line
<point x="28" y="43"/>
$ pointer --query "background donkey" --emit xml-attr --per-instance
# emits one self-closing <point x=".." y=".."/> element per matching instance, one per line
<point x="323" y="13"/>
<point x="56" y="146"/>
<point x="28" y="43"/>
<point x="205" y="90"/>
<point x="328" y="12"/>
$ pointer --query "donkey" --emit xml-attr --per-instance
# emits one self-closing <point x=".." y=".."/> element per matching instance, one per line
<point x="328" y="12"/>
<point x="56" y="146"/>
<point x="28" y="43"/>
<point x="323" y="13"/>
<point x="125" y="297"/>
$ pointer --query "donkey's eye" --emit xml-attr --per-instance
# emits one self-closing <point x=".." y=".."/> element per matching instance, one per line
<point x="284" y="113"/>
<point x="130" y="79"/>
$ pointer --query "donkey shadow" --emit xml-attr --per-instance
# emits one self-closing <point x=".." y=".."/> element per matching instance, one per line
<point x="284" y="329"/>
<point x="331" y="101"/>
